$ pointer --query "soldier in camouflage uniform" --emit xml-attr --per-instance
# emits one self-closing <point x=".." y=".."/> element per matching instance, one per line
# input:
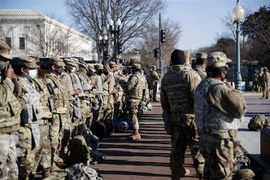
<point x="134" y="92"/>
<point x="33" y="112"/>
<point x="177" y="96"/>
<point x="200" y="65"/>
<point x="59" y="108"/>
<point x="10" y="109"/>
<point x="266" y="83"/>
<point x="154" y="77"/>
<point x="218" y="108"/>
<point x="43" y="155"/>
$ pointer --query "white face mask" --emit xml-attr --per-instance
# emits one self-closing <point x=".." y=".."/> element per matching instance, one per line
<point x="32" y="73"/>
<point x="73" y="69"/>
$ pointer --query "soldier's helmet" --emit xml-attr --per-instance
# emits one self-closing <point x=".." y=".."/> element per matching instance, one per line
<point x="57" y="61"/>
<point x="218" y="59"/>
<point x="5" y="50"/>
<point x="28" y="62"/>
<point x="154" y="67"/>
<point x="245" y="174"/>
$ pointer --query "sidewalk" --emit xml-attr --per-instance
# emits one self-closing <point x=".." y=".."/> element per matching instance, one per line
<point x="147" y="159"/>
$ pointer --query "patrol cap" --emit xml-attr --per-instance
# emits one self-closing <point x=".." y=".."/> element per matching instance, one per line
<point x="57" y="61"/>
<point x="136" y="66"/>
<point x="91" y="67"/>
<point x="5" y="50"/>
<point x="28" y="62"/>
<point x="201" y="55"/>
<point x="71" y="62"/>
<point x="84" y="65"/>
<point x="218" y="59"/>
<point x="154" y="67"/>
<point x="244" y="174"/>
<point x="99" y="67"/>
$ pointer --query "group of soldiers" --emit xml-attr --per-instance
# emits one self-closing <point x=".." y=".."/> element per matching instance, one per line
<point x="43" y="106"/>
<point x="204" y="113"/>
<point x="261" y="82"/>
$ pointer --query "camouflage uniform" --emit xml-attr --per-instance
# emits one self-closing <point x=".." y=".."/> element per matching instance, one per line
<point x="266" y="83"/>
<point x="43" y="155"/>
<point x="255" y="81"/>
<point x="59" y="107"/>
<point x="134" y="92"/>
<point x="29" y="133"/>
<point x="218" y="108"/>
<point x="154" y="77"/>
<point x="198" y="66"/>
<point x="177" y="97"/>
<point x="10" y="109"/>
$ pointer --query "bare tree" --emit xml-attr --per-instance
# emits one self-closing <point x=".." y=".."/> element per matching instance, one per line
<point x="92" y="17"/>
<point x="150" y="40"/>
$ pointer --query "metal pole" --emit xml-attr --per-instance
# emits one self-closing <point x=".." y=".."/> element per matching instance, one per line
<point x="238" y="70"/>
<point x="159" y="47"/>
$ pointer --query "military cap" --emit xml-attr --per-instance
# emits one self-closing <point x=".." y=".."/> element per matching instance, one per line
<point x="91" y="67"/>
<point x="28" y="62"/>
<point x="5" y="50"/>
<point x="154" y="67"/>
<point x="218" y="59"/>
<point x="112" y="64"/>
<point x="99" y="66"/>
<point x="201" y="55"/>
<point x="84" y="65"/>
<point x="243" y="174"/>
<point x="57" y="61"/>
<point x="70" y="62"/>
<point x="136" y="66"/>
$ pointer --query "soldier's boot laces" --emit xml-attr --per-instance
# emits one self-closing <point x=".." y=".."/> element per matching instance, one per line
<point x="135" y="136"/>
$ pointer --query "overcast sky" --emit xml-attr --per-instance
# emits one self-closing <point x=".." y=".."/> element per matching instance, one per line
<point x="200" y="19"/>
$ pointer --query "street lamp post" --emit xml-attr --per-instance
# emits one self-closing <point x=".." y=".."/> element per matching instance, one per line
<point x="115" y="29"/>
<point x="103" y="42"/>
<point x="237" y="16"/>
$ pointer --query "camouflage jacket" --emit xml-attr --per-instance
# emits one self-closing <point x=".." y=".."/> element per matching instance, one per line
<point x="134" y="87"/>
<point x="200" y="70"/>
<point x="217" y="107"/>
<point x="177" y="89"/>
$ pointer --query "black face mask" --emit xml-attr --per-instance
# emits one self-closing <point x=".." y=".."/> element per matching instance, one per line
<point x="99" y="72"/>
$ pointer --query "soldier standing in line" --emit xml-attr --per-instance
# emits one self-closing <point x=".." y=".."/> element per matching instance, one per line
<point x="177" y="98"/>
<point x="200" y="64"/>
<point x="266" y="83"/>
<point x="154" y="77"/>
<point x="10" y="109"/>
<point x="59" y="108"/>
<point x="216" y="120"/>
<point x="43" y="155"/>
<point x="32" y="113"/>
<point x="134" y="92"/>
<point x="255" y="81"/>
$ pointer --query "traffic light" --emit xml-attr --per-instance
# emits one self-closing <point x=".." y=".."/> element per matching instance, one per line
<point x="105" y="55"/>
<point x="156" y="53"/>
<point x="162" y="36"/>
<point x="120" y="47"/>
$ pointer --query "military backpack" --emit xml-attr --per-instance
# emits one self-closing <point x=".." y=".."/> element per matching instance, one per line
<point x="258" y="122"/>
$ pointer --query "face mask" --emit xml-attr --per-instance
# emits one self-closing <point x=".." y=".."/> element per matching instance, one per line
<point x="73" y="70"/>
<point x="32" y="74"/>
<point x="3" y="64"/>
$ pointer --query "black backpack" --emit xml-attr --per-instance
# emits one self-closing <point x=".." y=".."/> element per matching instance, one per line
<point x="99" y="129"/>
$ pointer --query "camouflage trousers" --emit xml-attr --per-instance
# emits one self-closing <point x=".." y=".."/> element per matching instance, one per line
<point x="219" y="154"/>
<point x="43" y="154"/>
<point x="57" y="133"/>
<point x="132" y="107"/>
<point x="118" y="105"/>
<point x="26" y="161"/>
<point x="153" y="92"/>
<point x="8" y="157"/>
<point x="265" y="90"/>
<point x="185" y="134"/>
<point x="103" y="108"/>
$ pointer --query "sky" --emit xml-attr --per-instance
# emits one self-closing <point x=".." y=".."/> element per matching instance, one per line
<point x="200" y="19"/>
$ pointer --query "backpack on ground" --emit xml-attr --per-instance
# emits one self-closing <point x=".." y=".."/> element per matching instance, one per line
<point x="80" y="171"/>
<point x="78" y="151"/>
<point x="258" y="122"/>
<point x="99" y="129"/>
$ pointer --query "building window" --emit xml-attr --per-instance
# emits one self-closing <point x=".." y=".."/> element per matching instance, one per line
<point x="22" y="43"/>
<point x="8" y="41"/>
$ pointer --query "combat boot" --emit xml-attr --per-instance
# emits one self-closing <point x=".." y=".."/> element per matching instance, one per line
<point x="184" y="172"/>
<point x="56" y="168"/>
<point x="135" y="136"/>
